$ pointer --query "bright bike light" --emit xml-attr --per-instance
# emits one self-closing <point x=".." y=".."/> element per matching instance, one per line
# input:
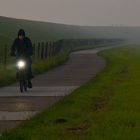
<point x="21" y="64"/>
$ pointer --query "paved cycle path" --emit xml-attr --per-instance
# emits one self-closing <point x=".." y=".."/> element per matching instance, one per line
<point x="48" y="88"/>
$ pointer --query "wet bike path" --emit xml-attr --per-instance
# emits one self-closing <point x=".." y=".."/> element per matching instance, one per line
<point x="48" y="88"/>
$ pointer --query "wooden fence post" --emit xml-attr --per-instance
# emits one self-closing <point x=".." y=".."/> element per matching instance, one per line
<point x="50" y="49"/>
<point x="54" y="45"/>
<point x="57" y="48"/>
<point x="46" y="50"/>
<point x="34" y="51"/>
<point x="42" y="51"/>
<point x="5" y="56"/>
<point x="38" y="50"/>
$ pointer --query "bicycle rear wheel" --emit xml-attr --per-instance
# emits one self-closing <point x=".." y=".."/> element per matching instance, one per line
<point x="21" y="86"/>
<point x="25" y="86"/>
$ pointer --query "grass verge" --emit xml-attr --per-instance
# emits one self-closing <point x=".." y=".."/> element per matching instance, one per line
<point x="106" y="108"/>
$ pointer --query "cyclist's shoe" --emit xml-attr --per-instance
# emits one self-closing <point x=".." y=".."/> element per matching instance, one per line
<point x="32" y="76"/>
<point x="29" y="84"/>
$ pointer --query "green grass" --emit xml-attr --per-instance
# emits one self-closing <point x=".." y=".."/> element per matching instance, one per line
<point x="2" y="44"/>
<point x="3" y="40"/>
<point x="106" y="108"/>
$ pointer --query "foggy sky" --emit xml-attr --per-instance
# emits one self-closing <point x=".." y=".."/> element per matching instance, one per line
<point x="80" y="12"/>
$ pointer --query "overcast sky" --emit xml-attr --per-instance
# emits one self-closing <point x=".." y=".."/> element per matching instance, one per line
<point x="81" y="12"/>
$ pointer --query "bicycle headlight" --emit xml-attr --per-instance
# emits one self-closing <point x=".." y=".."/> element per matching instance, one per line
<point x="21" y="64"/>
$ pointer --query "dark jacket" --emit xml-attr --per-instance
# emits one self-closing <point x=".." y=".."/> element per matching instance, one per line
<point x="22" y="47"/>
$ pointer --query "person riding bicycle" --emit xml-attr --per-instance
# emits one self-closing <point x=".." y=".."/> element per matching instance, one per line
<point x="22" y="46"/>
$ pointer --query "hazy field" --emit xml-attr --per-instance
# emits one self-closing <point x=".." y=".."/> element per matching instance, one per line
<point x="51" y="31"/>
<point x="40" y="30"/>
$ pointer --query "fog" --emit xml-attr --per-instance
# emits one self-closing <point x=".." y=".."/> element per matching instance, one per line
<point x="78" y="12"/>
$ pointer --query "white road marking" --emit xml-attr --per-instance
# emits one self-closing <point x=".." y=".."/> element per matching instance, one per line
<point x="16" y="116"/>
<point x="37" y="91"/>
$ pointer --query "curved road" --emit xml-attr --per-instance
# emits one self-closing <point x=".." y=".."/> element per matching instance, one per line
<point x="48" y="88"/>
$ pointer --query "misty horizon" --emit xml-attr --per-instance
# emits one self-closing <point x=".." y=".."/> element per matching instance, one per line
<point x="75" y="12"/>
<point x="69" y="23"/>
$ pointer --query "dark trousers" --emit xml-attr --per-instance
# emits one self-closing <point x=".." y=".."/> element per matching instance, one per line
<point x="29" y="68"/>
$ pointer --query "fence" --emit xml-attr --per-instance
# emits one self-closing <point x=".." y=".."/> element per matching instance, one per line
<point x="45" y="50"/>
<point x="74" y="44"/>
<point x="41" y="50"/>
